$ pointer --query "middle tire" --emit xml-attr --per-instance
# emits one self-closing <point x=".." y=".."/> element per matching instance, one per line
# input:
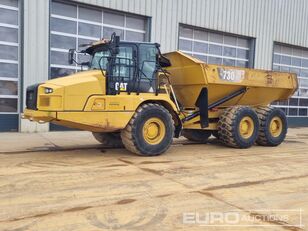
<point x="238" y="127"/>
<point x="109" y="139"/>
<point x="150" y="131"/>
<point x="197" y="135"/>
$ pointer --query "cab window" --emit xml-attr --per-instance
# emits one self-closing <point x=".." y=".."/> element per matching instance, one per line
<point x="124" y="62"/>
<point x="100" y="59"/>
<point x="147" y="60"/>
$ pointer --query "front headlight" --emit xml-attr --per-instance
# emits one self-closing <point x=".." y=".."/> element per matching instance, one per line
<point x="48" y="90"/>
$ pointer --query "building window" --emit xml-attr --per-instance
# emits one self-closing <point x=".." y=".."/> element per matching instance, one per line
<point x="295" y="60"/>
<point x="72" y="25"/>
<point x="216" y="47"/>
<point x="9" y="57"/>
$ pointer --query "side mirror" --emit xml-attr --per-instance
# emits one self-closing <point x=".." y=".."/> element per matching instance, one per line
<point x="71" y="53"/>
<point x="117" y="41"/>
<point x="117" y="44"/>
<point x="114" y="44"/>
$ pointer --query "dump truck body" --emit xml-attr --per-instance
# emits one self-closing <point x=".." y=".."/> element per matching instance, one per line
<point x="189" y="75"/>
<point x="134" y="96"/>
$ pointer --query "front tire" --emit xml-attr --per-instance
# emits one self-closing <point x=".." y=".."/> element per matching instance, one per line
<point x="238" y="127"/>
<point x="273" y="126"/>
<point x="109" y="139"/>
<point x="150" y="131"/>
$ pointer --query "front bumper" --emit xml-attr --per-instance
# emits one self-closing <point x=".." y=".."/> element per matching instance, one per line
<point x="84" y="120"/>
<point x="39" y="116"/>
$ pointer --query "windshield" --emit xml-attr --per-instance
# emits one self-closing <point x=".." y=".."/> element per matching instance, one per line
<point x="99" y="60"/>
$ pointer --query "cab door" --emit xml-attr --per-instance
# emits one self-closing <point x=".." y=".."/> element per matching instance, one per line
<point x="148" y="54"/>
<point x="121" y="70"/>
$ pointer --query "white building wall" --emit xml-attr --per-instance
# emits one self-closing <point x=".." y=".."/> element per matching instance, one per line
<point x="267" y="21"/>
<point x="35" y="52"/>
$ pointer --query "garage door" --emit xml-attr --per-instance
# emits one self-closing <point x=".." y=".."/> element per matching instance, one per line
<point x="9" y="65"/>
<point x="72" y="25"/>
<point x="293" y="59"/>
<point x="216" y="47"/>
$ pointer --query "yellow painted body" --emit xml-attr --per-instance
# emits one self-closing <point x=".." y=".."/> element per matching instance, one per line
<point x="189" y="75"/>
<point x="80" y="100"/>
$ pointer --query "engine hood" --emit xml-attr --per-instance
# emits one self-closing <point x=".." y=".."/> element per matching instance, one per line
<point x="78" y="78"/>
<point x="73" y="91"/>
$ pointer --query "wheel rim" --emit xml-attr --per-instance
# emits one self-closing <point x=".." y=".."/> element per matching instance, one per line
<point x="246" y="127"/>
<point x="275" y="126"/>
<point x="154" y="130"/>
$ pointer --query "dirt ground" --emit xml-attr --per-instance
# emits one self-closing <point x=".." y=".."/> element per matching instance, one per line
<point x="66" y="181"/>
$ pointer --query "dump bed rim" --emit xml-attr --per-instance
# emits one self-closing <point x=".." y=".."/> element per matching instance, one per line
<point x="198" y="61"/>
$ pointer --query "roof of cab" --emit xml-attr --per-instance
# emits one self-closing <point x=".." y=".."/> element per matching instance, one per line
<point x="90" y="47"/>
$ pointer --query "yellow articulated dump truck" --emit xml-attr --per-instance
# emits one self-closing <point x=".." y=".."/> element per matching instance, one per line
<point x="133" y="96"/>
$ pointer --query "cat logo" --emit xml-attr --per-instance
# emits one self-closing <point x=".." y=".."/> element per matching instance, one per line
<point x="122" y="86"/>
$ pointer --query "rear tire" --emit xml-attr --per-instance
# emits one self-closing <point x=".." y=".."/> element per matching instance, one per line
<point x="197" y="135"/>
<point x="150" y="131"/>
<point x="238" y="127"/>
<point x="273" y="126"/>
<point x="109" y="139"/>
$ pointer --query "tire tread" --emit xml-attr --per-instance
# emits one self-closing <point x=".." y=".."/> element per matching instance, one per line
<point x="112" y="139"/>
<point x="263" y="113"/>
<point x="128" y="138"/>
<point x="227" y="126"/>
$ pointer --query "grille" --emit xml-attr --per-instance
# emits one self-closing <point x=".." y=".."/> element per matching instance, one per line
<point x="31" y="97"/>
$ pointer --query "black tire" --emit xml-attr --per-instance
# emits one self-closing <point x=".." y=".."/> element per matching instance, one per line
<point x="197" y="135"/>
<point x="133" y="134"/>
<point x="229" y="127"/>
<point x="215" y="134"/>
<point x="109" y="139"/>
<point x="266" y="116"/>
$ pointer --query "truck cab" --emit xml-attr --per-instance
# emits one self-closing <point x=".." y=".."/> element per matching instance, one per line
<point x="131" y="67"/>
<point x="120" y="78"/>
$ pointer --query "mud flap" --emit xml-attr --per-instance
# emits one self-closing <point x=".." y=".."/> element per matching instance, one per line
<point x="202" y="104"/>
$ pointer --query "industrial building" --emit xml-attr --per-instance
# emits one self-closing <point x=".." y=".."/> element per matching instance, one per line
<point x="35" y="36"/>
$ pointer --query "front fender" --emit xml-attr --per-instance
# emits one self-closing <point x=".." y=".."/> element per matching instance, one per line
<point x="126" y="102"/>
<point x="130" y="102"/>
